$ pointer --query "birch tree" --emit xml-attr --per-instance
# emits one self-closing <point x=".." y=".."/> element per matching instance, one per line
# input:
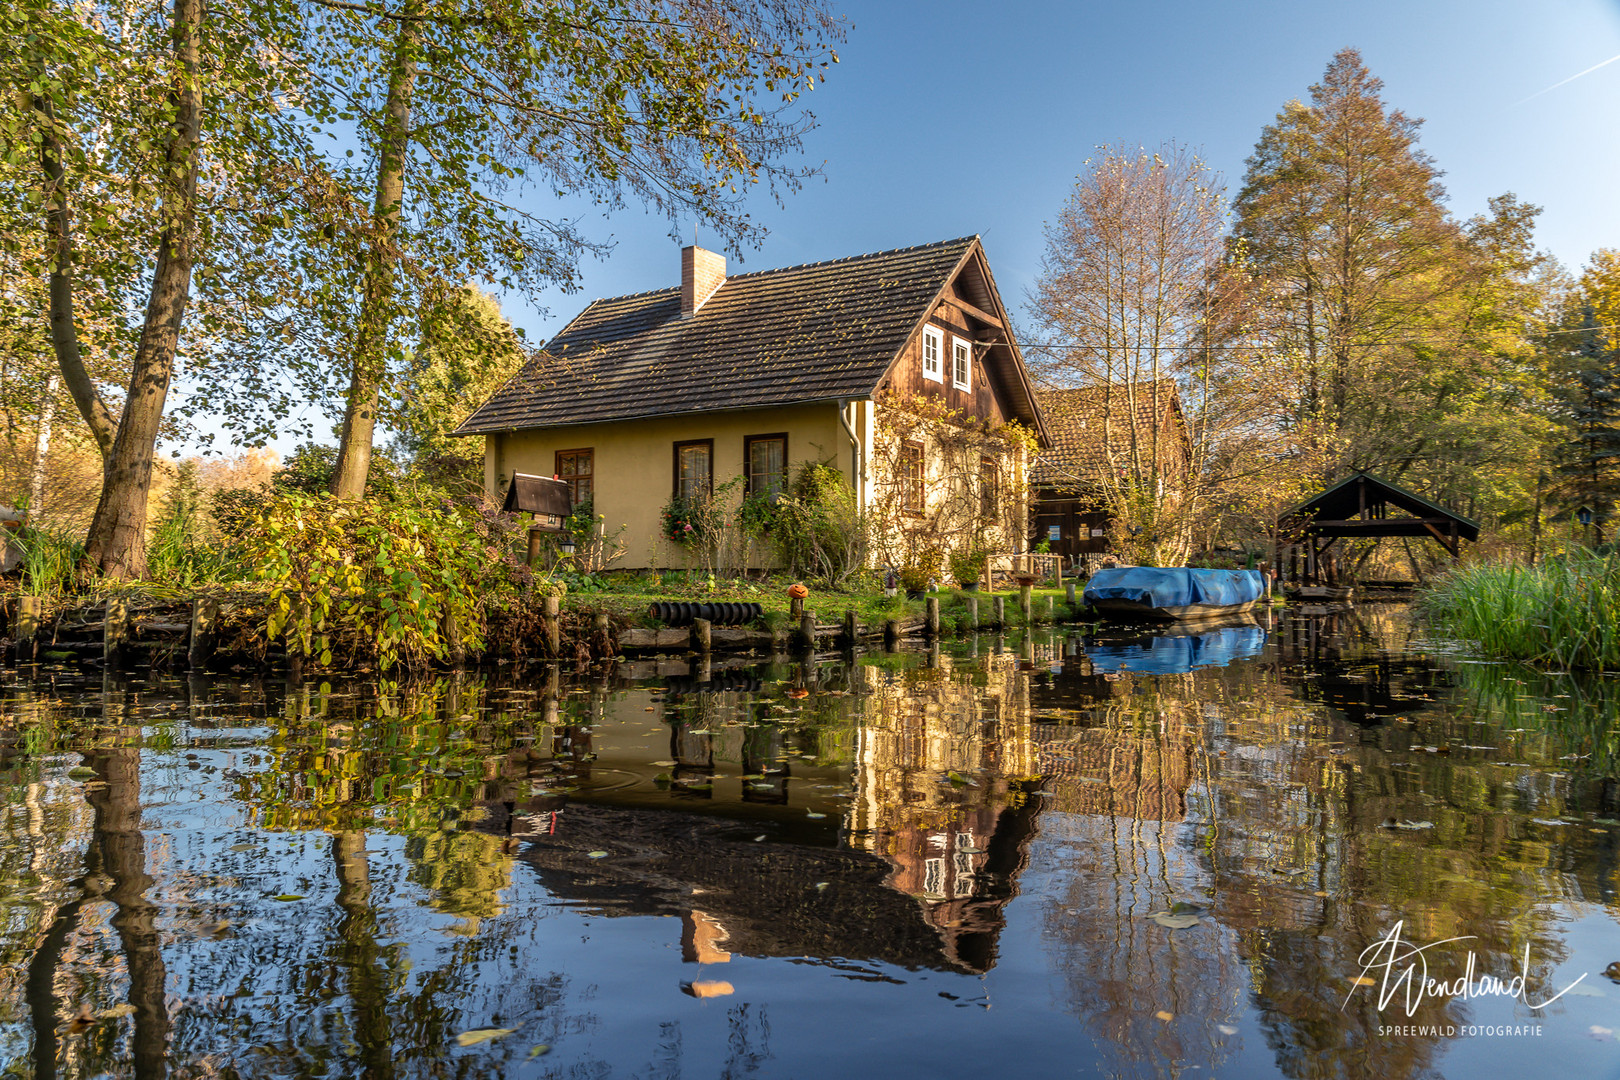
<point x="1140" y="300"/>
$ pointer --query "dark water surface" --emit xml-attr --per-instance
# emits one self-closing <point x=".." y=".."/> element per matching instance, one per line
<point x="905" y="866"/>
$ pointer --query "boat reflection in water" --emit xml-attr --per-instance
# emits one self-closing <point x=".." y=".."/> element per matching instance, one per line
<point x="1178" y="650"/>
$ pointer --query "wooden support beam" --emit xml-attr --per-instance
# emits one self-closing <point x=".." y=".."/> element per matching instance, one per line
<point x="977" y="312"/>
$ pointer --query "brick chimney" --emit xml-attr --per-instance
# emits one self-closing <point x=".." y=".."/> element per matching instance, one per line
<point x="702" y="274"/>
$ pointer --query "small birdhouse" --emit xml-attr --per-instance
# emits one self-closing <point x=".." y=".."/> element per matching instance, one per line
<point x="547" y="498"/>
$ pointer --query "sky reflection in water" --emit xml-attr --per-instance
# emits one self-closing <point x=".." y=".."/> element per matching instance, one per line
<point x="913" y="865"/>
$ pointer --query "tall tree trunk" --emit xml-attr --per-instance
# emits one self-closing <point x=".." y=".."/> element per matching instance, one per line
<point x="121" y="848"/>
<point x="64" y="331"/>
<point x="42" y="445"/>
<point x="117" y="543"/>
<point x="359" y="951"/>
<point x="376" y="316"/>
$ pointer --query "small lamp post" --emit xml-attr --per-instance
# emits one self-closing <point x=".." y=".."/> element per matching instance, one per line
<point x="1584" y="516"/>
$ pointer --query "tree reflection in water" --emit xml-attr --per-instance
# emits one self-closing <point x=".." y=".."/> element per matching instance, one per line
<point x="306" y="880"/>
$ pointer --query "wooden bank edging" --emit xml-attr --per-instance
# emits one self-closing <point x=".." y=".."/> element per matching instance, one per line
<point x="116" y="633"/>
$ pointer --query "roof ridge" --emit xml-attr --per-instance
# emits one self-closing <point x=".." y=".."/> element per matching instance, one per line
<point x="796" y="266"/>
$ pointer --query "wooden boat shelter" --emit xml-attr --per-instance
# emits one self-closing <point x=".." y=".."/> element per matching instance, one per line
<point x="1360" y="507"/>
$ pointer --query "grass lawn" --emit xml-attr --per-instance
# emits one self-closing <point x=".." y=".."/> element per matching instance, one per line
<point x="627" y="598"/>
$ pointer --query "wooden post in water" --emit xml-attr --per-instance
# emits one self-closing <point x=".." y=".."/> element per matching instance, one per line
<point x="551" y="610"/>
<point x="796" y="608"/>
<point x="1001" y="612"/>
<point x="604" y="634"/>
<point x="1049" y="613"/>
<point x="807" y="629"/>
<point x="702" y="636"/>
<point x="114" y="630"/>
<point x="25" y="627"/>
<point x="973" y="613"/>
<point x="450" y="630"/>
<point x="1026" y="603"/>
<point x="891" y="633"/>
<point x="852" y="629"/>
<point x="1068" y="596"/>
<point x="200" y="643"/>
<point x="931" y="618"/>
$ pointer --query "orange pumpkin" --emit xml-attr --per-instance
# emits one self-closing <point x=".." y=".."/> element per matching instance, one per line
<point x="797" y="591"/>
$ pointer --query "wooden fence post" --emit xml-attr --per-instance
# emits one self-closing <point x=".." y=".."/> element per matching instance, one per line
<point x="114" y="630"/>
<point x="891" y="633"/>
<point x="604" y="635"/>
<point x="852" y="629"/>
<point x="25" y="627"/>
<point x="1068" y="596"/>
<point x="200" y="643"/>
<point x="973" y="613"/>
<point x="702" y="636"/>
<point x="1026" y="603"/>
<point x="807" y="630"/>
<point x="551" y="609"/>
<point x="1049" y="612"/>
<point x="1001" y="612"/>
<point x="931" y="617"/>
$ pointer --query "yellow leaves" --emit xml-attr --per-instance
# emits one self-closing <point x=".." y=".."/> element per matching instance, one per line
<point x="482" y="1035"/>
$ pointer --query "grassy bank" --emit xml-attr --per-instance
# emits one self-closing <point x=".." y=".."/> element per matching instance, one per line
<point x="1564" y="612"/>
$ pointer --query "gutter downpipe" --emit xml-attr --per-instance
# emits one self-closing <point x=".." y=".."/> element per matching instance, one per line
<point x="857" y="462"/>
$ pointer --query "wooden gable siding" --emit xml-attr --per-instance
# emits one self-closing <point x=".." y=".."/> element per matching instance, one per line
<point x="906" y="377"/>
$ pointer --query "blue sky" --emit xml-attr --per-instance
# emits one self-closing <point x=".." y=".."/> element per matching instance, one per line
<point x="951" y="118"/>
<point x="946" y="119"/>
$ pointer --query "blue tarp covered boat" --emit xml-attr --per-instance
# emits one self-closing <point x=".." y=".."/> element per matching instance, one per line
<point x="1153" y="592"/>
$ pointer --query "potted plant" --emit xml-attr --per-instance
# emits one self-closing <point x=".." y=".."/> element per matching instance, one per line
<point x="922" y="572"/>
<point x="967" y="566"/>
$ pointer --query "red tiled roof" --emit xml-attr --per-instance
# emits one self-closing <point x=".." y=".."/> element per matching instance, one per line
<point x="1078" y="419"/>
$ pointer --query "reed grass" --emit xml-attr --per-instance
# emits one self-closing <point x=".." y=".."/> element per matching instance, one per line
<point x="1564" y="612"/>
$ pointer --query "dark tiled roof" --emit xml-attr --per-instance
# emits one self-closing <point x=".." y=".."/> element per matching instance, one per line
<point x="773" y="337"/>
<point x="1075" y="419"/>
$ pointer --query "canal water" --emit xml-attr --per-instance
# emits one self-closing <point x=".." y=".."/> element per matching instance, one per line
<point x="1237" y="853"/>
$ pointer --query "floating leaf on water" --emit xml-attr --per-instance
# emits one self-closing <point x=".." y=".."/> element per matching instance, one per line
<point x="1408" y="825"/>
<point x="821" y="885"/>
<point x="708" y="988"/>
<point x="1174" y="922"/>
<point x="538" y="1051"/>
<point x="482" y="1035"/>
<point x="1165" y="1016"/>
<point x="596" y="854"/>
<point x="1601" y="1033"/>
<point x="124" y="1009"/>
<point x="1226" y="1029"/>
<point x="758" y="838"/>
<point x="662" y="764"/>
<point x="80" y="772"/>
<point x="813" y="814"/>
<point x="244" y="847"/>
<point x="1548" y="821"/>
<point x="287" y="896"/>
<point x="1362" y="980"/>
<point x="1181" y="907"/>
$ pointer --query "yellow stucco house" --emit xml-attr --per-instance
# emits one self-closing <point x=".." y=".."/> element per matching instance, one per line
<point x="671" y="393"/>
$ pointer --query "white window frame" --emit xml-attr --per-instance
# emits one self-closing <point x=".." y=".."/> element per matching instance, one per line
<point x="966" y="346"/>
<point x="933" y="335"/>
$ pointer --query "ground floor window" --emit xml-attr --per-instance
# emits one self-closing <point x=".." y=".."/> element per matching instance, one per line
<point x="694" y="469"/>
<point x="577" y="469"/>
<point x="766" y="456"/>
<point x="912" y="494"/>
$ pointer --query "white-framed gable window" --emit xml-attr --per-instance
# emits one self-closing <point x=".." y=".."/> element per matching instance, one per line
<point x="961" y="363"/>
<point x="933" y="350"/>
